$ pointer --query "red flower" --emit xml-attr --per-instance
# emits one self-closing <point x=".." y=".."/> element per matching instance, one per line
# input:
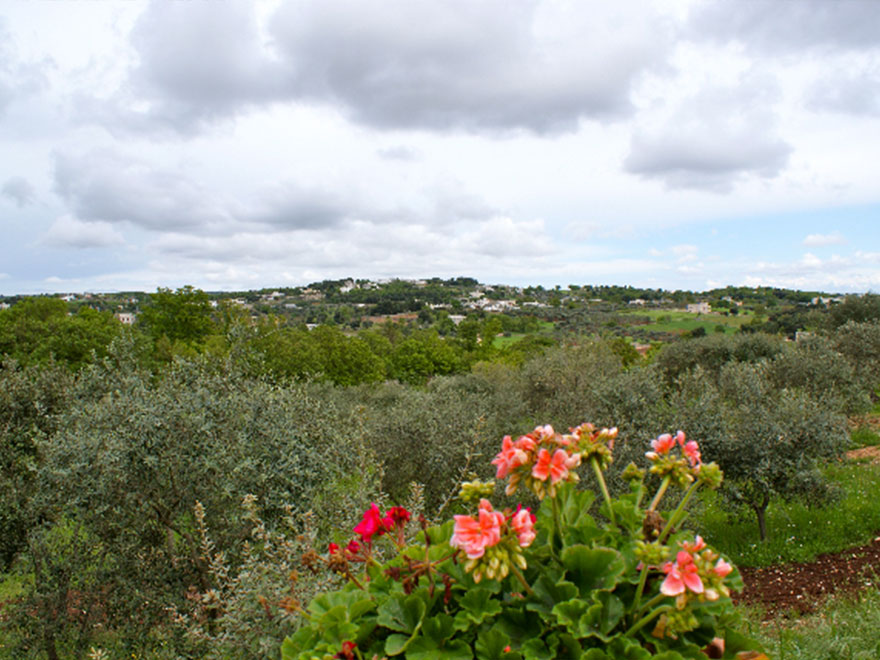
<point x="371" y="525"/>
<point x="347" y="652"/>
<point x="332" y="548"/>
<point x="396" y="517"/>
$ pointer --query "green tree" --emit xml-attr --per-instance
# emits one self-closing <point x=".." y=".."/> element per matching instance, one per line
<point x="180" y="316"/>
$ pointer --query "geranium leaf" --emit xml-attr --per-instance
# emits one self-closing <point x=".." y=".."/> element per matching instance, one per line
<point x="593" y="568"/>
<point x="491" y="644"/>
<point x="401" y="613"/>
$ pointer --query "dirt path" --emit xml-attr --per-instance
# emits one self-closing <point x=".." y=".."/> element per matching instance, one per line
<point x="801" y="587"/>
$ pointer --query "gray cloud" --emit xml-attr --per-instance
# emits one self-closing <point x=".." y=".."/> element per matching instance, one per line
<point x="67" y="231"/>
<point x="19" y="190"/>
<point x="777" y="26"/>
<point x="106" y="186"/>
<point x="399" y="152"/>
<point x="846" y="92"/>
<point x="483" y="66"/>
<point x="17" y="78"/>
<point x="713" y="140"/>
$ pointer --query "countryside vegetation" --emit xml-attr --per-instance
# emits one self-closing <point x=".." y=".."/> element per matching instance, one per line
<point x="169" y="489"/>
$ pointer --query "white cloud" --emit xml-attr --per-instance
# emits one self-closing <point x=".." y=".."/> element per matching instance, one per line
<point x="824" y="240"/>
<point x="68" y="232"/>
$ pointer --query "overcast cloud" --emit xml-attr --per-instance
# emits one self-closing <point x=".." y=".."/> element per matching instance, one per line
<point x="246" y="144"/>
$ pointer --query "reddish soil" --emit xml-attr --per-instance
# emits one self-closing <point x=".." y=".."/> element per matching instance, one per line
<point x="800" y="588"/>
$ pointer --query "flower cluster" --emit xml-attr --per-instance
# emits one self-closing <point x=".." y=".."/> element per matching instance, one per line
<point x="375" y="524"/>
<point x="493" y="540"/>
<point x="544" y="458"/>
<point x="697" y="570"/>
<point x="681" y="467"/>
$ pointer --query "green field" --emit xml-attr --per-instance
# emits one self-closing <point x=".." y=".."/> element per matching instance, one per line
<point x="665" y="320"/>
<point x="546" y="328"/>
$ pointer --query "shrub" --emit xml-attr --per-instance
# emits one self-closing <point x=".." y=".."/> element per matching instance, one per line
<point x="506" y="584"/>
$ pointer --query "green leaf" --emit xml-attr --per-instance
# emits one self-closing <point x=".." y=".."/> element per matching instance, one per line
<point x="401" y="613"/>
<point x="396" y="643"/>
<point x="477" y="606"/>
<point x="568" y="613"/>
<point x="535" y="649"/>
<point x="624" y="648"/>
<point x="596" y="654"/>
<point x="438" y="628"/>
<point x="320" y="605"/>
<point x="491" y="644"/>
<point x="607" y="612"/>
<point x="593" y="568"/>
<point x="549" y="593"/>
<point x="426" y="649"/>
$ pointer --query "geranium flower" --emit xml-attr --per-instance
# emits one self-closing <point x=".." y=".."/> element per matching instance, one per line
<point x="663" y="443"/>
<point x="692" y="451"/>
<point x="722" y="568"/>
<point x="370" y="525"/>
<point x="523" y="524"/>
<point x="395" y="517"/>
<point x="680" y="575"/>
<point x="475" y="535"/>
<point x="696" y="546"/>
<point x="555" y="467"/>
<point x="332" y="549"/>
<point x="509" y="458"/>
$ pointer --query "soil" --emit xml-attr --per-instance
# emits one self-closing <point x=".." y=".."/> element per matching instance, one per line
<point x="800" y="588"/>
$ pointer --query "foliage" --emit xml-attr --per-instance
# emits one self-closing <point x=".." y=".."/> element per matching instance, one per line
<point x="768" y="441"/>
<point x="179" y="316"/>
<point x="39" y="330"/>
<point x="846" y="628"/>
<point x="803" y="530"/>
<point x="31" y="400"/>
<point x="860" y="344"/>
<point x="506" y="585"/>
<point x="129" y="462"/>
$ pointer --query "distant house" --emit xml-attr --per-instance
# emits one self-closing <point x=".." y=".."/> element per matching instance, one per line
<point x="637" y="301"/>
<point x="68" y="297"/>
<point x="4" y="305"/>
<point x="457" y="318"/>
<point x="699" y="308"/>
<point x="126" y="318"/>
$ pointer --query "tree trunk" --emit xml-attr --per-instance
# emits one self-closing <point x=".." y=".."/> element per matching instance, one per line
<point x="49" y="640"/>
<point x="760" y="512"/>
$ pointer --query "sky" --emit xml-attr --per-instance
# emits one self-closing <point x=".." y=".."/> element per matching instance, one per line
<point x="242" y="145"/>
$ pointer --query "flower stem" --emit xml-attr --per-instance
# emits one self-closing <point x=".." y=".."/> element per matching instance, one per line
<point x="641" y="623"/>
<point x="522" y="580"/>
<point x="557" y="528"/>
<point x="604" y="488"/>
<point x="660" y="491"/>
<point x="673" y="519"/>
<point x="643" y="578"/>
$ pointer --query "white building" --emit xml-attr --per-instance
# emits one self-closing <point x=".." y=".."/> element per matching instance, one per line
<point x="699" y="308"/>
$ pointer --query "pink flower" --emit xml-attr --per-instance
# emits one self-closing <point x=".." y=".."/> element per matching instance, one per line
<point x="722" y="568"/>
<point x="510" y="457"/>
<point x="555" y="466"/>
<point x="353" y="547"/>
<point x="663" y="444"/>
<point x="370" y="525"/>
<point x="474" y="536"/>
<point x="680" y="575"/>
<point x="523" y="524"/>
<point x="696" y="546"/>
<point x="692" y="451"/>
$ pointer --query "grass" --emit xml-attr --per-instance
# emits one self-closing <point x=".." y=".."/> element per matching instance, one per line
<point x="797" y="532"/>
<point x="664" y="320"/>
<point x="544" y="328"/>
<point x="864" y="436"/>
<point x="846" y="628"/>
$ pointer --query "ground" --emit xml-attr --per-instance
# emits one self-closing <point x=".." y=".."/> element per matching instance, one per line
<point x="800" y="588"/>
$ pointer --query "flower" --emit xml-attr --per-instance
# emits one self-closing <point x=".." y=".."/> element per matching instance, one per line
<point x="555" y="466"/>
<point x="523" y="524"/>
<point x="680" y="575"/>
<point x="332" y="548"/>
<point x="474" y="536"/>
<point x="370" y="525"/>
<point x="692" y="451"/>
<point x="396" y="517"/>
<point x="353" y="547"/>
<point x="510" y="457"/>
<point x="722" y="568"/>
<point x="696" y="546"/>
<point x="663" y="443"/>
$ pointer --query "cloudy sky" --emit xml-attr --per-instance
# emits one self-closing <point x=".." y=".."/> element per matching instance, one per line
<point x="240" y="145"/>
